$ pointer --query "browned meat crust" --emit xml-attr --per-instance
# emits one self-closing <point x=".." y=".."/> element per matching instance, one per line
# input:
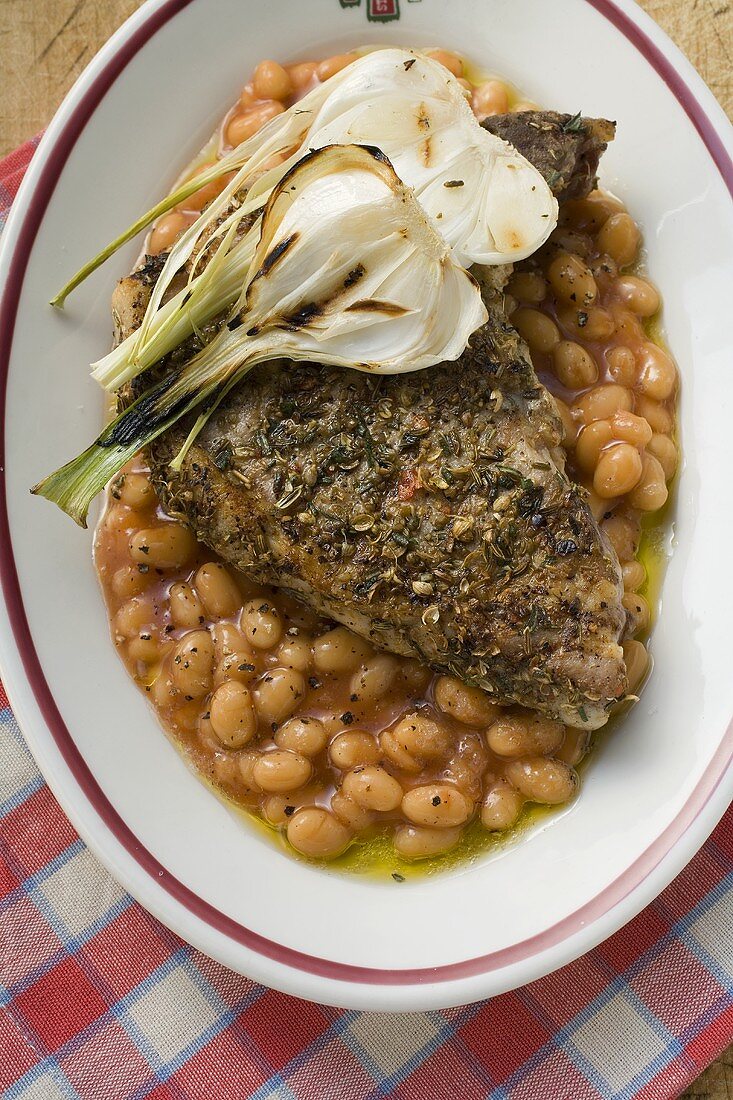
<point x="428" y="511"/>
<point x="565" y="148"/>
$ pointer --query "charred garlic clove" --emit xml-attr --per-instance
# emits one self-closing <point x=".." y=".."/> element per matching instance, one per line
<point x="489" y="203"/>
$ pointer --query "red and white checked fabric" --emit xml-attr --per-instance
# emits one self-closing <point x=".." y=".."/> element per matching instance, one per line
<point x="98" y="1001"/>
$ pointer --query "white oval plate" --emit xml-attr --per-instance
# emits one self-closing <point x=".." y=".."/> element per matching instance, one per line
<point x="653" y="794"/>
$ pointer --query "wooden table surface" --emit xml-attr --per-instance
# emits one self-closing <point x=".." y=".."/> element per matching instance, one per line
<point x="45" y="44"/>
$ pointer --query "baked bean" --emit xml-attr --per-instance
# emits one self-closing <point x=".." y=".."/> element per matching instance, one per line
<point x="169" y="546"/>
<point x="540" y="331"/>
<point x="246" y="763"/>
<point x="631" y="429"/>
<point x="247" y="97"/>
<point x="278" y="809"/>
<point x="271" y="81"/>
<point x="618" y="470"/>
<point x="228" y="639"/>
<point x="638" y="608"/>
<point x="620" y="237"/>
<point x="193" y="662"/>
<point x="163" y="691"/>
<point x="664" y="450"/>
<point x="414" y="842"/>
<point x="451" y="60"/>
<point x="318" y="833"/>
<point x="235" y="666"/>
<point x="420" y="736"/>
<point x="574" y="747"/>
<point x="353" y="749"/>
<point x="637" y="663"/>
<point x="187" y="611"/>
<point x="624" y="533"/>
<point x="355" y="817"/>
<point x="394" y="750"/>
<point x="145" y="648"/>
<point x="528" y="287"/>
<point x="651" y="492"/>
<point x="571" y="280"/>
<point x="437" y="805"/>
<point x="634" y="575"/>
<point x="302" y="734"/>
<point x="602" y="402"/>
<point x="466" y="703"/>
<point x="134" y="490"/>
<point x="467" y="765"/>
<point x="629" y="329"/>
<point x="621" y="364"/>
<point x="246" y="123"/>
<point x="462" y="773"/>
<point x="573" y="241"/>
<point x="372" y="788"/>
<point x="590" y="443"/>
<point x="295" y="651"/>
<point x="128" y="581"/>
<point x="574" y="366"/>
<point x="657" y="373"/>
<point x="415" y="675"/>
<point x="206" y="194"/>
<point x="302" y="74"/>
<point x="261" y="623"/>
<point x="218" y="590"/>
<point x="281" y="771"/>
<point x="659" y="417"/>
<point x="569" y="427"/>
<point x="541" y="779"/>
<point x="592" y="212"/>
<point x="588" y="322"/>
<point x="133" y="617"/>
<point x="375" y="678"/>
<point x="167" y="230"/>
<point x="232" y="715"/>
<point x="278" y="692"/>
<point x="501" y="807"/>
<point x="332" y="65"/>
<point x="340" y="651"/>
<point x="119" y="519"/>
<point x="524" y="732"/>
<point x="490" y="98"/>
<point x="638" y="294"/>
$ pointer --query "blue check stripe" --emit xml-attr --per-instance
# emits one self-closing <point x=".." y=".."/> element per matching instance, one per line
<point x="48" y="1067"/>
<point x="385" y="1085"/>
<point x="32" y="787"/>
<point x="673" y="1047"/>
<point x="27" y="886"/>
<point x="269" y="1084"/>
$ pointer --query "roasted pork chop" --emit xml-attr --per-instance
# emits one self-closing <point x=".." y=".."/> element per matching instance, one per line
<point x="429" y="512"/>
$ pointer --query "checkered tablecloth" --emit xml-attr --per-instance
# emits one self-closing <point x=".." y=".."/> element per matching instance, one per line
<point x="98" y="1001"/>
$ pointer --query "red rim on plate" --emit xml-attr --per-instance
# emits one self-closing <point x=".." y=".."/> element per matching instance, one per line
<point x="56" y="158"/>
